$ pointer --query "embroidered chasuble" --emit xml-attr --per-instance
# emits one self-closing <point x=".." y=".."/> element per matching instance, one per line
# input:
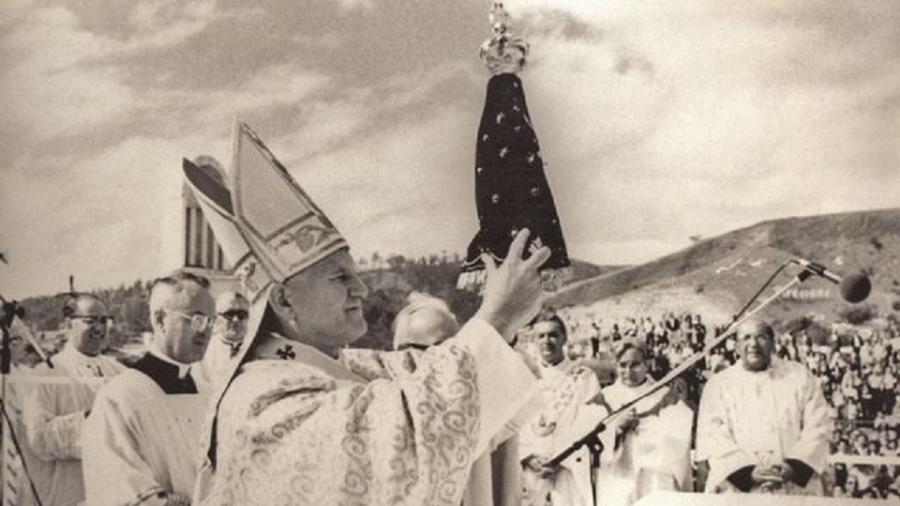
<point x="566" y="389"/>
<point x="142" y="438"/>
<point x="398" y="428"/>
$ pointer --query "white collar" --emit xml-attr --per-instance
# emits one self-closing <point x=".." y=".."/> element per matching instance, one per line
<point x="563" y="365"/>
<point x="183" y="369"/>
<point x="276" y="346"/>
<point x="70" y="349"/>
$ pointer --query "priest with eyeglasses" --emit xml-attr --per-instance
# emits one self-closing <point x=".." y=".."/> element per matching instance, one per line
<point x="54" y="412"/>
<point x="232" y="310"/>
<point x="140" y="441"/>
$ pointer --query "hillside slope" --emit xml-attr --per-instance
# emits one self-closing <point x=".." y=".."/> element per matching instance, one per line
<point x="726" y="270"/>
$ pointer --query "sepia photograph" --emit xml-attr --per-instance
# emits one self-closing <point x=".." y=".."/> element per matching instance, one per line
<point x="450" y="252"/>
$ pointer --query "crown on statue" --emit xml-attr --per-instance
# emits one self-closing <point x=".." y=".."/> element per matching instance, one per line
<point x="503" y="53"/>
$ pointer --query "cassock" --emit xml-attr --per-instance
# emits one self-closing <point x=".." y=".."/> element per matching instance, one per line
<point x="141" y="439"/>
<point x="654" y="456"/>
<point x="761" y="418"/>
<point x="53" y="415"/>
<point x="298" y="427"/>
<point x="566" y="390"/>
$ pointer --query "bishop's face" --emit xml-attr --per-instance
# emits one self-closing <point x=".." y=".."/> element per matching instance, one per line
<point x="326" y="303"/>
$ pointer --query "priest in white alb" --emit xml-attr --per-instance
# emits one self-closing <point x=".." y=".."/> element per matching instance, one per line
<point x="763" y="424"/>
<point x="56" y="404"/>
<point x="142" y="437"/>
<point x="648" y="447"/>
<point x="229" y="329"/>
<point x="568" y="390"/>
<point x="296" y="424"/>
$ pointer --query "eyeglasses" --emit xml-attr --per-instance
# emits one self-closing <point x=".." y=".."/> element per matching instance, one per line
<point x="199" y="322"/>
<point x="235" y="315"/>
<point x="91" y="319"/>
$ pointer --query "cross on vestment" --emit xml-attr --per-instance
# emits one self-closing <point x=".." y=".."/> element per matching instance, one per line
<point x="93" y="369"/>
<point x="286" y="352"/>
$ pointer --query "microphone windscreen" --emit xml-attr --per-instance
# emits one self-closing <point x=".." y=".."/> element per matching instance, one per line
<point x="855" y="287"/>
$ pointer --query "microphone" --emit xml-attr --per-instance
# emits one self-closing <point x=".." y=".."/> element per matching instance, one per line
<point x="854" y="287"/>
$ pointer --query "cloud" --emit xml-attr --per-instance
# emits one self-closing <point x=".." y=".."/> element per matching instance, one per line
<point x="106" y="218"/>
<point x="659" y="120"/>
<point x="351" y="114"/>
<point x="405" y="188"/>
<point x="269" y="87"/>
<point x="356" y="4"/>
<point x="664" y="120"/>
<point x="161" y="23"/>
<point x="60" y="79"/>
<point x="328" y="41"/>
<point x="45" y="90"/>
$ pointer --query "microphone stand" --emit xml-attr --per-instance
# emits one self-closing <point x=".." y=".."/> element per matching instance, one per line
<point x="592" y="438"/>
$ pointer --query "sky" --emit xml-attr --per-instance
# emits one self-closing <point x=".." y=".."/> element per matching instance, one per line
<point x="658" y="120"/>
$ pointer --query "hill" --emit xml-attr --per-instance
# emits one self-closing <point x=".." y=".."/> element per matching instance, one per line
<point x="718" y="274"/>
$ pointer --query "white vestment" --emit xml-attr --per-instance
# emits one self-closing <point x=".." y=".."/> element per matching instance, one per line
<point x="654" y="456"/>
<point x="378" y="429"/>
<point x="217" y="361"/>
<point x="565" y="418"/>
<point x="495" y="479"/>
<point x="496" y="476"/>
<point x="141" y="443"/>
<point x="751" y="418"/>
<point x="53" y="416"/>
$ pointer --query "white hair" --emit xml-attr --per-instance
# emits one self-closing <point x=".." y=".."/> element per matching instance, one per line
<point x="419" y="301"/>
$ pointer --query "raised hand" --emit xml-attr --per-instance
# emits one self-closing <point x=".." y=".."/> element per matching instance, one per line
<point x="512" y="291"/>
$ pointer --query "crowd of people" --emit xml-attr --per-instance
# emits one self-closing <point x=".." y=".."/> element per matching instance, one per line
<point x="858" y="368"/>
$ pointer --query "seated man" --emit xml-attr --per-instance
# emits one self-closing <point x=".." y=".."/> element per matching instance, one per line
<point x="141" y="440"/>
<point x="54" y="414"/>
<point x="763" y="423"/>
